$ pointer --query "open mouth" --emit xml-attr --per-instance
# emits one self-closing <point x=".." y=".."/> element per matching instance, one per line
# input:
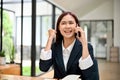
<point x="68" y="31"/>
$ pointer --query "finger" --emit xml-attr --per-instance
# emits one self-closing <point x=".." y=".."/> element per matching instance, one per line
<point x="76" y="29"/>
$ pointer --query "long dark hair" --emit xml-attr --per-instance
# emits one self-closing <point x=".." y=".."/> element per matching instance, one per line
<point x="59" y="36"/>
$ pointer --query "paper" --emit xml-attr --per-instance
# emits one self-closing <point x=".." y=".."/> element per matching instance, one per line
<point x="71" y="77"/>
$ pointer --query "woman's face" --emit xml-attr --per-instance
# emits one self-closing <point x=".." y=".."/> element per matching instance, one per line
<point x="67" y="26"/>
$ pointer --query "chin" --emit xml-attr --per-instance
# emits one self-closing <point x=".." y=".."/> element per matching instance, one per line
<point x="68" y="36"/>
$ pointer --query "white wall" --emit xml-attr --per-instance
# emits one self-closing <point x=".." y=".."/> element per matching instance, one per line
<point x="117" y="24"/>
<point x="108" y="10"/>
<point x="104" y="11"/>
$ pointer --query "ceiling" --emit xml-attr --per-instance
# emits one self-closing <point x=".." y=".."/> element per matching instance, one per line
<point x="80" y="7"/>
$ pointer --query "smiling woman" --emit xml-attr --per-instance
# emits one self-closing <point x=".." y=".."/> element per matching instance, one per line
<point x="69" y="54"/>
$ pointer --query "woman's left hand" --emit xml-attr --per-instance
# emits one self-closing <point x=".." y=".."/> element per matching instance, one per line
<point x="82" y="37"/>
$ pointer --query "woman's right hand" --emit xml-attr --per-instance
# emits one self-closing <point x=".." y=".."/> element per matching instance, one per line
<point x="52" y="33"/>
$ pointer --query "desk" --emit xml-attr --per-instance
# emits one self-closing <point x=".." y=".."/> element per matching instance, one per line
<point x="17" y="77"/>
<point x="13" y="69"/>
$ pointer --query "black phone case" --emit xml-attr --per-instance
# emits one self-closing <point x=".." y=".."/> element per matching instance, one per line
<point x="78" y="34"/>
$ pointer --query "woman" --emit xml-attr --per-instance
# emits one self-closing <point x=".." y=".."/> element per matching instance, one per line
<point x="70" y="53"/>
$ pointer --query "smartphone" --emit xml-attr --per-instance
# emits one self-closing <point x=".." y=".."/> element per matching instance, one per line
<point x="78" y="34"/>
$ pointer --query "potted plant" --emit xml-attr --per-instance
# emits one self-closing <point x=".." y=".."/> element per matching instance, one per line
<point x="12" y="54"/>
<point x="2" y="57"/>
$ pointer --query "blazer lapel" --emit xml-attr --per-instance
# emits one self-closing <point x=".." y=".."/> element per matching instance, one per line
<point x="75" y="51"/>
<point x="59" y="57"/>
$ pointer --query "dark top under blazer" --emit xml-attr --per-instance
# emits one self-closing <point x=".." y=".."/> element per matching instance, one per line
<point x="73" y="62"/>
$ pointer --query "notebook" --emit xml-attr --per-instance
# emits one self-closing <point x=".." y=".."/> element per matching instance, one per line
<point x="71" y="77"/>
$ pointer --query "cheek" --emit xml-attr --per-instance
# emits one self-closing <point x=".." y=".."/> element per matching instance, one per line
<point x="61" y="28"/>
<point x="61" y="31"/>
<point x="73" y="28"/>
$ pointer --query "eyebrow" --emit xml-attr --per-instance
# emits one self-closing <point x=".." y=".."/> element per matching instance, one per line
<point x="68" y="21"/>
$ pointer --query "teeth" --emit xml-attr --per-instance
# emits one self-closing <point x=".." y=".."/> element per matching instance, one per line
<point x="68" y="31"/>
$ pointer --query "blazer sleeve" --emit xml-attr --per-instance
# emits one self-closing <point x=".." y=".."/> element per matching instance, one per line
<point x="91" y="73"/>
<point x="44" y="65"/>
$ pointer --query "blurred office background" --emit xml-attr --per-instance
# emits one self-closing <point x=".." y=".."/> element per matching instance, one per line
<point x="25" y="23"/>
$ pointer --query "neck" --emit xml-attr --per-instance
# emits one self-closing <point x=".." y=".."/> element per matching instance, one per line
<point x="67" y="42"/>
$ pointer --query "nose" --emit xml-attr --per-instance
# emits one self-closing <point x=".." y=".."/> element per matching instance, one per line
<point x="67" y="25"/>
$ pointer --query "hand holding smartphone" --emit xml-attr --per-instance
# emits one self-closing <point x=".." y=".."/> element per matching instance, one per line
<point x="78" y="32"/>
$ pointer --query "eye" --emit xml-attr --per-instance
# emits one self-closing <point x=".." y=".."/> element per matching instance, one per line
<point x="71" y="22"/>
<point x="63" y="23"/>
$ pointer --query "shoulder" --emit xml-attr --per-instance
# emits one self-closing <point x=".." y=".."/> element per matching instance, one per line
<point x="55" y="45"/>
<point x="79" y="43"/>
<point x="90" y="45"/>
